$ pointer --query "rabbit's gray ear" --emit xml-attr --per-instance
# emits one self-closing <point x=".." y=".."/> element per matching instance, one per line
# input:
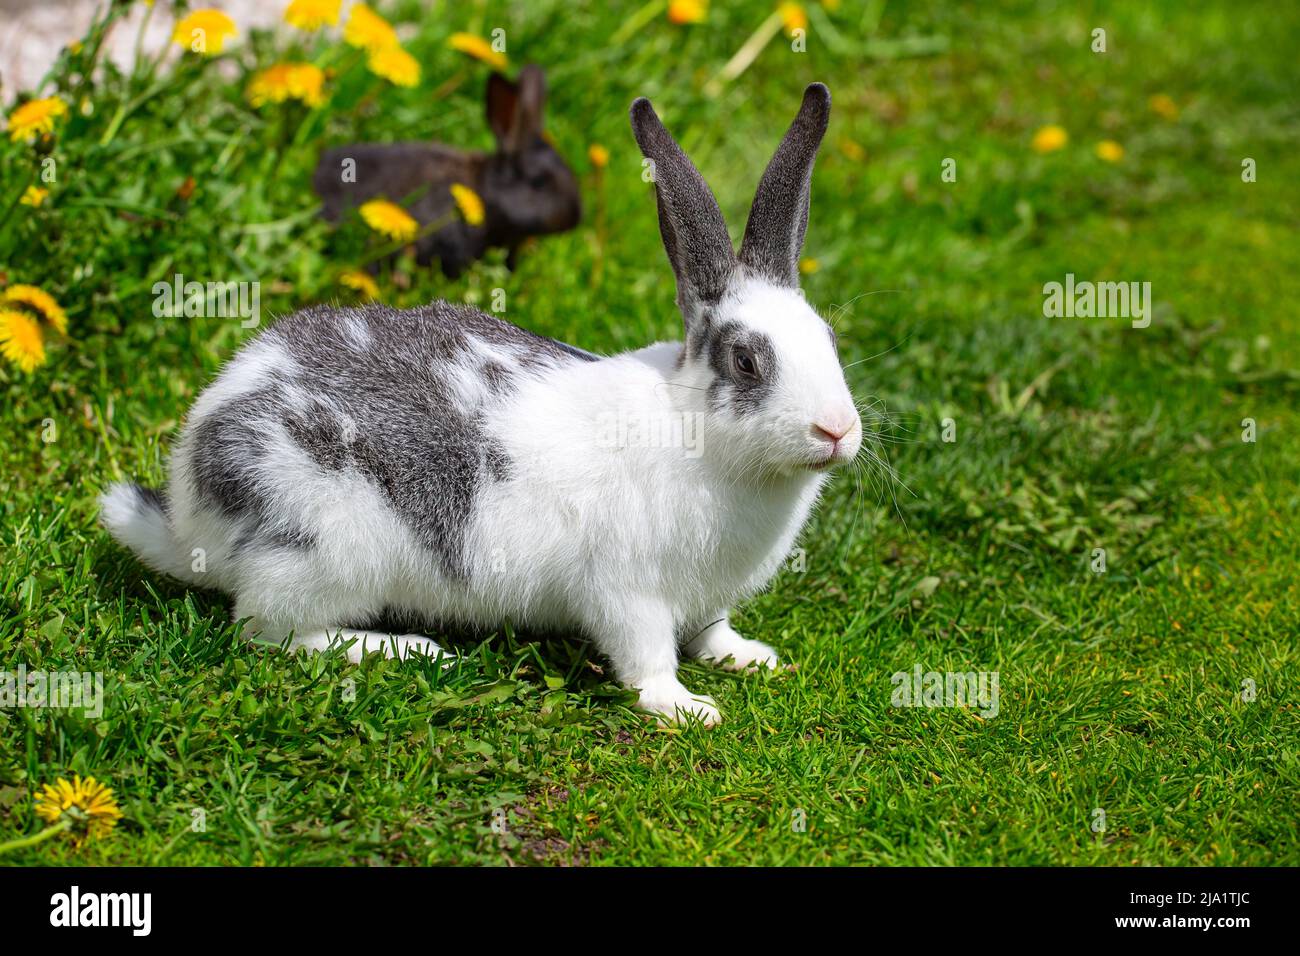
<point x="694" y="232"/>
<point x="532" y="98"/>
<point x="778" y="218"/>
<point x="503" y="112"/>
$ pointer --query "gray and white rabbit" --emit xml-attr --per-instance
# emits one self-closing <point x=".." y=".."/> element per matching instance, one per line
<point x="526" y="187"/>
<point x="444" y="465"/>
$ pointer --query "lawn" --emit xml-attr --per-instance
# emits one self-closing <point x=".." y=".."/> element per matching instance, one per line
<point x="1147" y="713"/>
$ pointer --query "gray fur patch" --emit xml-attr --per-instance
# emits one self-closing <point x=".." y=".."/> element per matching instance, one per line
<point x="227" y="446"/>
<point x="255" y="535"/>
<point x="389" y="411"/>
<point x="730" y="389"/>
<point x="151" y="498"/>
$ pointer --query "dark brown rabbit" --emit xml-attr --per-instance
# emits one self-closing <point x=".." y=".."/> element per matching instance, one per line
<point x="526" y="187"/>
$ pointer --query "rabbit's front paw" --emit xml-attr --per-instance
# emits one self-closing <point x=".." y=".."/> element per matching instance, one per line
<point x="672" y="703"/>
<point x="721" y="645"/>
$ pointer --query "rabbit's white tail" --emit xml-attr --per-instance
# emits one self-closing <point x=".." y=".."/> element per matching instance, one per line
<point x="137" y="517"/>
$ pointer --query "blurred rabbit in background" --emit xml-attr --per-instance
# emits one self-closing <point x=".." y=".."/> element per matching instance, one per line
<point x="526" y="187"/>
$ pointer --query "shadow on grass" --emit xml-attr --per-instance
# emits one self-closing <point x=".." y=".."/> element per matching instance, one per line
<point x="501" y="652"/>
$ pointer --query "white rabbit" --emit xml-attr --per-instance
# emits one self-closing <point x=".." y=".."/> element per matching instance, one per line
<point x="441" y="465"/>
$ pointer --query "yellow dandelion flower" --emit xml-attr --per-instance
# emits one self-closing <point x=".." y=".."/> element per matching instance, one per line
<point x="87" y="805"/>
<point x="35" y="116"/>
<point x="20" y="340"/>
<point x="479" y="49"/>
<point x="853" y="150"/>
<point x="367" y="30"/>
<point x="34" y="196"/>
<point x="831" y="5"/>
<point x="269" y="86"/>
<point x="1163" y="106"/>
<point x="359" y="281"/>
<point x="598" y="155"/>
<point x="395" y="65"/>
<point x="389" y="219"/>
<point x="287" y="81"/>
<point x="793" y="17"/>
<point x="38" y="300"/>
<point x="688" y="11"/>
<point x="312" y="14"/>
<point x="1049" y="139"/>
<point x="469" y="203"/>
<point x="204" y="31"/>
<point x="809" y="266"/>
<point x="1110" y="151"/>
<point x="307" y="83"/>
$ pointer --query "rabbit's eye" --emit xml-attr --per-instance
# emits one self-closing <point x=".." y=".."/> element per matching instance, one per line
<point x="743" y="360"/>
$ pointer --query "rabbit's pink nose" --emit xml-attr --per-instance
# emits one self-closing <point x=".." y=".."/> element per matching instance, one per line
<point x="833" y="426"/>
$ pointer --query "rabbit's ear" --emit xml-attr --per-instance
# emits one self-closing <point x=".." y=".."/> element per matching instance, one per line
<point x="503" y="112"/>
<point x="778" y="218"/>
<point x="694" y="232"/>
<point x="532" y="99"/>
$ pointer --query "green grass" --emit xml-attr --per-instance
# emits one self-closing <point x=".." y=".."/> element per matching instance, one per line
<point x="1120" y="691"/>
